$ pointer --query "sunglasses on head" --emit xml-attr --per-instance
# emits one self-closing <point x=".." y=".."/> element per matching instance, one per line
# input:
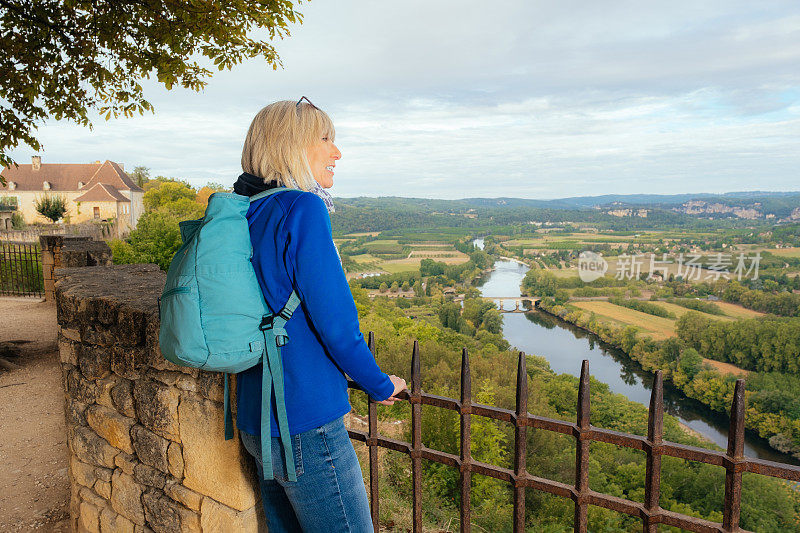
<point x="297" y="105"/>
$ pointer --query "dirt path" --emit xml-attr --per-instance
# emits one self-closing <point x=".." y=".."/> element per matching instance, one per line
<point x="33" y="449"/>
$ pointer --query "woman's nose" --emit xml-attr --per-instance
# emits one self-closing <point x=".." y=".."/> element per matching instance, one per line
<point x="336" y="153"/>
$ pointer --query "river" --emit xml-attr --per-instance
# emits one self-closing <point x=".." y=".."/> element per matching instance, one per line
<point x="565" y="346"/>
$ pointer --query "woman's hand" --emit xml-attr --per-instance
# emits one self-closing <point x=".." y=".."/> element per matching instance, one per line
<point x="399" y="386"/>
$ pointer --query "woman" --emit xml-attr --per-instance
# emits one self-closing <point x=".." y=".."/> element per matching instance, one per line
<point x="291" y="145"/>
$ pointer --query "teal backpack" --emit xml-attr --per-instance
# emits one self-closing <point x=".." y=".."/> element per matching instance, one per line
<point x="214" y="316"/>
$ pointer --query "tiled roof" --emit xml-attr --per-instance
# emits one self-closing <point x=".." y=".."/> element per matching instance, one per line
<point x="65" y="176"/>
<point x="102" y="192"/>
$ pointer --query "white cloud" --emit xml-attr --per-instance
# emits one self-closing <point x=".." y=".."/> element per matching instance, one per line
<point x="530" y="99"/>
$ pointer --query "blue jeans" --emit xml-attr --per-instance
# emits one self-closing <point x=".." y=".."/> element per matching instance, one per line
<point x="329" y="493"/>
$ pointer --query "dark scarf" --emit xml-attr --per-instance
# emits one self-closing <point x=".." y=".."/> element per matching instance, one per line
<point x="248" y="185"/>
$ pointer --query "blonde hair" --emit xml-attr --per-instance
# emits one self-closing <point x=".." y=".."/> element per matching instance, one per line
<point x="275" y="146"/>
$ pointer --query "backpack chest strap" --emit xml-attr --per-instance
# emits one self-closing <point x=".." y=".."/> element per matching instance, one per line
<point x="275" y="336"/>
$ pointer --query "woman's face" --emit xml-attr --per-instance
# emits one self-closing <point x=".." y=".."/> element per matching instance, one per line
<point x="322" y="155"/>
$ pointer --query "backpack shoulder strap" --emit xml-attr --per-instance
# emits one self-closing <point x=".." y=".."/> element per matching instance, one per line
<point x="275" y="336"/>
<point x="266" y="193"/>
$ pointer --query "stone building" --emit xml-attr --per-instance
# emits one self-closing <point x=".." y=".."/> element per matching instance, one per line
<point x="93" y="191"/>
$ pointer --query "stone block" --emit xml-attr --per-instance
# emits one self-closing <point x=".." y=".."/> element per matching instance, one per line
<point x="66" y="308"/>
<point x="175" y="460"/>
<point x="66" y="351"/>
<point x="88" y="495"/>
<point x="126" y="497"/>
<point x="89" y="518"/>
<point x="104" y="387"/>
<point x="218" y="518"/>
<point x="111" y="522"/>
<point x="147" y="475"/>
<point x="187" y="383"/>
<point x="122" y="397"/>
<point x="103" y="489"/>
<point x="210" y="385"/>
<point x="80" y="388"/>
<point x="49" y="286"/>
<point x="166" y="516"/>
<point x="70" y="334"/>
<point x="94" y="361"/>
<point x="126" y="462"/>
<point x="157" y="407"/>
<point x="126" y="361"/>
<point x="105" y="473"/>
<point x="91" y="449"/>
<point x="101" y="336"/>
<point x="74" y="506"/>
<point x="213" y="466"/>
<point x="150" y="448"/>
<point x="82" y="473"/>
<point x="130" y="326"/>
<point x="112" y="426"/>
<point x="181" y="494"/>
<point x="166" y="377"/>
<point x="75" y="412"/>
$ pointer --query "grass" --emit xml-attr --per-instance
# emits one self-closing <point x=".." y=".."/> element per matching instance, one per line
<point x="396" y="267"/>
<point x="737" y="311"/>
<point x="364" y="234"/>
<point x="785" y="252"/>
<point x="680" y="311"/>
<point x="726" y="368"/>
<point x="657" y="327"/>
<point x="363" y="258"/>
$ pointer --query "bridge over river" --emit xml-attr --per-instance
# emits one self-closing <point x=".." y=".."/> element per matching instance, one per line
<point x="500" y="302"/>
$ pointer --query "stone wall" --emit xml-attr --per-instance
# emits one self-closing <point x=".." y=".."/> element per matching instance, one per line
<point x="146" y="437"/>
<point x="70" y="251"/>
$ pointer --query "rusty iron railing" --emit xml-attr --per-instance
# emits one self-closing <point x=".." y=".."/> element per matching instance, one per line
<point x="21" y="269"/>
<point x="651" y="514"/>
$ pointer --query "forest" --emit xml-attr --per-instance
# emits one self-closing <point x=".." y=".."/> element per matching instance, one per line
<point x="691" y="488"/>
<point x="767" y="346"/>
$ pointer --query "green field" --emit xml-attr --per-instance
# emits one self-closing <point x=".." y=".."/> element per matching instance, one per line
<point x="657" y="327"/>
<point x="679" y="311"/>
<point x="785" y="252"/>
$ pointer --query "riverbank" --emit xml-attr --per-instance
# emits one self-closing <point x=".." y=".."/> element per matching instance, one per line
<point x="704" y="384"/>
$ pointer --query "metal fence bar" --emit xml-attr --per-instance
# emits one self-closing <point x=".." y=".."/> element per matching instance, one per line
<point x="582" y="453"/>
<point x="416" y="438"/>
<point x="655" y="434"/>
<point x="372" y="446"/>
<point x="465" y="480"/>
<point x="733" y="466"/>
<point x="520" y="445"/>
<point x="653" y="445"/>
<point x="19" y="271"/>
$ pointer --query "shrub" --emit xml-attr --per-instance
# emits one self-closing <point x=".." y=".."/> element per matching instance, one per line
<point x="52" y="207"/>
<point x="17" y="221"/>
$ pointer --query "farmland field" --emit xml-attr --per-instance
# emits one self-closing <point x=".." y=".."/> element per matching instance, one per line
<point x="737" y="311"/>
<point x="657" y="327"/>
<point x="679" y="311"/>
<point x="785" y="252"/>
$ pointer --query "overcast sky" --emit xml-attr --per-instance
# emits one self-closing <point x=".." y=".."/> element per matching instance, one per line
<point x="449" y="99"/>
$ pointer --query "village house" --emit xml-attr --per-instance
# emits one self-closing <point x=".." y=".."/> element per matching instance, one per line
<point x="93" y="192"/>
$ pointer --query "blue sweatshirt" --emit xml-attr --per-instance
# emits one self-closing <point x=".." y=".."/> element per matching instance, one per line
<point x="292" y="248"/>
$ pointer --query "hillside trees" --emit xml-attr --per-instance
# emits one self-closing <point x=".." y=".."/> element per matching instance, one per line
<point x="64" y="60"/>
<point x="157" y="236"/>
<point x="687" y="487"/>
